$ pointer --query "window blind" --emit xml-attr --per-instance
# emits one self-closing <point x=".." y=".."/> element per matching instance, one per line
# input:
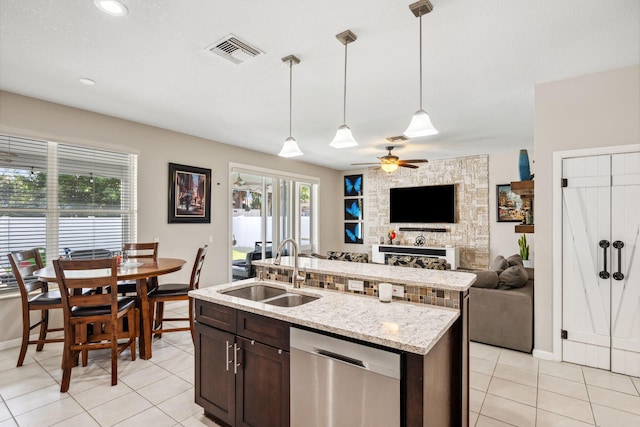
<point x="63" y="199"/>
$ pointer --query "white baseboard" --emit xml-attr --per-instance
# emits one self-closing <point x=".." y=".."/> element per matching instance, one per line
<point x="4" y="345"/>
<point x="541" y="354"/>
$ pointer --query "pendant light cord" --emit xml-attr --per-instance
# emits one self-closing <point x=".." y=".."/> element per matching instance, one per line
<point x="421" y="61"/>
<point x="290" y="93"/>
<point x="344" y="97"/>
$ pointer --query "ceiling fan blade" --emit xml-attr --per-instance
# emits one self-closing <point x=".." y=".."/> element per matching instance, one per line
<point x="407" y="165"/>
<point x="416" y="161"/>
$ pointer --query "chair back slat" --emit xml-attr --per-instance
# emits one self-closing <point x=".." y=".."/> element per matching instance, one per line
<point x="23" y="264"/>
<point x="194" y="283"/>
<point x="76" y="277"/>
<point x="141" y="250"/>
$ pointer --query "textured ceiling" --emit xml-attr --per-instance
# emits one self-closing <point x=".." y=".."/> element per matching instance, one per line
<point x="481" y="63"/>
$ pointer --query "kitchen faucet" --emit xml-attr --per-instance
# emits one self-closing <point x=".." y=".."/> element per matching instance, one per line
<point x="296" y="279"/>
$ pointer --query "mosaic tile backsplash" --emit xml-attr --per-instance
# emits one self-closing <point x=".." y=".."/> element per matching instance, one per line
<point x="412" y="293"/>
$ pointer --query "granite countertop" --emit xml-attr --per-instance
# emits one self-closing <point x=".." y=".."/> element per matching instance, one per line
<point x="405" y="326"/>
<point x="438" y="279"/>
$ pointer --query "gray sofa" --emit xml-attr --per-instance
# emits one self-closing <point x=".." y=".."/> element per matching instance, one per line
<point x="502" y="316"/>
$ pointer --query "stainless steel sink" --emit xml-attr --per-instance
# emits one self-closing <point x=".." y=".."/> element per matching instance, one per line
<point x="256" y="292"/>
<point x="273" y="295"/>
<point x="291" y="300"/>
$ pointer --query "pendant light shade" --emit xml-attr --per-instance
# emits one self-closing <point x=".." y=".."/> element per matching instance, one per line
<point x="420" y="125"/>
<point x="290" y="147"/>
<point x="344" y="137"/>
<point x="420" y="122"/>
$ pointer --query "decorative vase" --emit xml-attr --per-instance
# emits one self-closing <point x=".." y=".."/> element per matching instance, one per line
<point x="527" y="263"/>
<point x="523" y="164"/>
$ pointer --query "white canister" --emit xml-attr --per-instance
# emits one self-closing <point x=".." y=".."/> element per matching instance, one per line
<point x="385" y="292"/>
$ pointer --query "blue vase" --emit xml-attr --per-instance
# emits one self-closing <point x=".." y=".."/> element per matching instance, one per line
<point x="523" y="165"/>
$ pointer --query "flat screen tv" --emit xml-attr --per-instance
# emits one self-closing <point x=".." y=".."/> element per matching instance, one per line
<point x="425" y="204"/>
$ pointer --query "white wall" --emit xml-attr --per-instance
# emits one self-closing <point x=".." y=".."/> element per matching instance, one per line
<point x="503" y="168"/>
<point x="29" y="117"/>
<point x="596" y="110"/>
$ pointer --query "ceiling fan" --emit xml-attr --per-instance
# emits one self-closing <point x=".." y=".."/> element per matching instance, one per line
<point x="390" y="162"/>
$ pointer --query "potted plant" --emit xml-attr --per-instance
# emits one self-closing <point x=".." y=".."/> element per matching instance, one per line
<point x="524" y="250"/>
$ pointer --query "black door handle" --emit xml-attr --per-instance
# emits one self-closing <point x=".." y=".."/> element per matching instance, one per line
<point x="618" y="274"/>
<point x="604" y="274"/>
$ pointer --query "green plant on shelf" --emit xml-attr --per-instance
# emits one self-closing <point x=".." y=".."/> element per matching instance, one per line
<point x="524" y="247"/>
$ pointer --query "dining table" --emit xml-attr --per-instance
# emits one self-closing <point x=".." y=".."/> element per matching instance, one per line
<point x="140" y="270"/>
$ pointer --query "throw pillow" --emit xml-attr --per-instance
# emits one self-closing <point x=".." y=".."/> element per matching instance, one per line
<point x="515" y="259"/>
<point x="486" y="279"/>
<point x="499" y="264"/>
<point x="513" y="277"/>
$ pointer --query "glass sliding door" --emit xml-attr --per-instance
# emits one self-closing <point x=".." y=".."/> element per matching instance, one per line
<point x="251" y="222"/>
<point x="262" y="217"/>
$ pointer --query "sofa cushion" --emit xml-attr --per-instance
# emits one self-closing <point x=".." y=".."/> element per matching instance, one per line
<point x="348" y="256"/>
<point x="486" y="279"/>
<point x="515" y="259"/>
<point x="499" y="264"/>
<point x="513" y="277"/>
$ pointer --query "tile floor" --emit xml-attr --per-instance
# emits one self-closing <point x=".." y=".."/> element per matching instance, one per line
<point x="507" y="389"/>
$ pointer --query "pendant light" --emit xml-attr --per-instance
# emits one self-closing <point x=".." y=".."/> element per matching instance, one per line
<point x="290" y="146"/>
<point x="420" y="122"/>
<point x="344" y="138"/>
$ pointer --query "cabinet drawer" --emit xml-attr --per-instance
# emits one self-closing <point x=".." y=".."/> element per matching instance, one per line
<point x="263" y="329"/>
<point x="217" y="316"/>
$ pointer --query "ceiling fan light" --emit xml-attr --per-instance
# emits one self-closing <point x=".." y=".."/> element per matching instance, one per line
<point x="344" y="138"/>
<point x="420" y="125"/>
<point x="290" y="148"/>
<point x="389" y="167"/>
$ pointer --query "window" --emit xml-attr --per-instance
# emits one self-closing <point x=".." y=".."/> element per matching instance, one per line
<point x="63" y="199"/>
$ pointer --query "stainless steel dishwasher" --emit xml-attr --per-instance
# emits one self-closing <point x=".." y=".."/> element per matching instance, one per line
<point x="338" y="383"/>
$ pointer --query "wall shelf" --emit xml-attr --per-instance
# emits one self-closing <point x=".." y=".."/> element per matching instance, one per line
<point x="525" y="190"/>
<point x="432" y="230"/>
<point x="524" y="228"/>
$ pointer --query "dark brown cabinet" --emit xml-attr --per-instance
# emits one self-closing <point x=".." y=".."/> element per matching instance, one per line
<point x="242" y="367"/>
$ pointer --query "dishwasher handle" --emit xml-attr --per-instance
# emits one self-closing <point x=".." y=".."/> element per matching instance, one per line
<point x="341" y="357"/>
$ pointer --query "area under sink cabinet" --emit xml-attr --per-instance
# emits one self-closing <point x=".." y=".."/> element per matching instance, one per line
<point x="241" y="366"/>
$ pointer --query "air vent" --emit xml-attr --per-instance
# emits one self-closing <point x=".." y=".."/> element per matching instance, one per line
<point x="395" y="139"/>
<point x="234" y="49"/>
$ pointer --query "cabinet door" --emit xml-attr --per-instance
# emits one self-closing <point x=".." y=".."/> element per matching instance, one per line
<point x="262" y="385"/>
<point x="214" y="372"/>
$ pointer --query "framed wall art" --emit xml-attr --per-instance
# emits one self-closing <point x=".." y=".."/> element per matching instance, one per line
<point x="353" y="185"/>
<point x="353" y="232"/>
<point x="509" y="206"/>
<point x="189" y="194"/>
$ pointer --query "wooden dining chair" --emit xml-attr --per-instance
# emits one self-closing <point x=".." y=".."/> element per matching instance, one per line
<point x="35" y="296"/>
<point x="132" y="251"/>
<point x="92" y="320"/>
<point x="175" y="292"/>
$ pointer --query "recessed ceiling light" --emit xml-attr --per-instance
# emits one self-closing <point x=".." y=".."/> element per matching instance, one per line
<point x="87" y="82"/>
<point x="111" y="7"/>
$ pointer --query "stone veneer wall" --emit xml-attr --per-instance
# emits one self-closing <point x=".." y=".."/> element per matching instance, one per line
<point x="335" y="282"/>
<point x="470" y="232"/>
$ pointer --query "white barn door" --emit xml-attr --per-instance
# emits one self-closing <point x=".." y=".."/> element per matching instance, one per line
<point x="601" y="299"/>
<point x="586" y="289"/>
<point x="625" y="264"/>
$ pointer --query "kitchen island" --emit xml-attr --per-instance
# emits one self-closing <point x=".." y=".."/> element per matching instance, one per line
<point x="234" y="334"/>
